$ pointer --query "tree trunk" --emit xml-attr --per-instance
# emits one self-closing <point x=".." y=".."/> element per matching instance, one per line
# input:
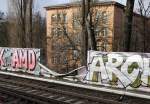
<point x="30" y="20"/>
<point x="84" y="45"/>
<point x="90" y="27"/>
<point x="128" y="25"/>
<point x="23" y="22"/>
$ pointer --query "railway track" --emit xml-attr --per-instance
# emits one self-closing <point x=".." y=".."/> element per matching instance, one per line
<point x="38" y="92"/>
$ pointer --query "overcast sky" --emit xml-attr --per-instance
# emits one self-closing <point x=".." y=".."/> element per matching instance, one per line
<point x="42" y="3"/>
<point x="38" y="5"/>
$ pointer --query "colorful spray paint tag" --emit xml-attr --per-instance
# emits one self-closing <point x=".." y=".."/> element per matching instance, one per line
<point x="19" y="59"/>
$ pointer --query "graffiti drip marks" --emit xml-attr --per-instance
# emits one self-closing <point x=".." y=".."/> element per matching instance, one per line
<point x="119" y="69"/>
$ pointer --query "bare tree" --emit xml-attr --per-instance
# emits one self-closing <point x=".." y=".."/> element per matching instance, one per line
<point x="65" y="44"/>
<point x="69" y="48"/>
<point x="39" y="34"/>
<point x="91" y="22"/>
<point x="144" y="12"/>
<point x="20" y="15"/>
<point x="88" y="36"/>
<point x="30" y="37"/>
<point x="3" y="30"/>
<point x="128" y="25"/>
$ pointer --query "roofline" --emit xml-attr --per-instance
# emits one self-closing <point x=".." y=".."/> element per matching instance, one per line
<point x="69" y="5"/>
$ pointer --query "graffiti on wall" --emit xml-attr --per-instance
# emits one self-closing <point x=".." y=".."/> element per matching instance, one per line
<point x="119" y="69"/>
<point x="16" y="59"/>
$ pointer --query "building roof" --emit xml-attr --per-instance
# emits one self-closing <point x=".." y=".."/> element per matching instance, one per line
<point x="74" y="4"/>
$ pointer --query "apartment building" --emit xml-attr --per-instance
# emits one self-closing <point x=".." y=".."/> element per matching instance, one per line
<point x="64" y="32"/>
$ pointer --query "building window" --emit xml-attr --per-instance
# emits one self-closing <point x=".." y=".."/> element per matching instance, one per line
<point x="59" y="58"/>
<point x="59" y="18"/>
<point x="75" y="24"/>
<point x="76" y="38"/>
<point x="57" y="32"/>
<point x="76" y="20"/>
<point x="105" y="32"/>
<point x="105" y="18"/>
<point x="97" y="32"/>
<point x="75" y="55"/>
<point x="53" y="31"/>
<point x="54" y="60"/>
<point x="106" y="47"/>
<point x="64" y="59"/>
<point x="98" y="45"/>
<point x="56" y="46"/>
<point x="103" y="45"/>
<point x="64" y="18"/>
<point x="54" y="18"/>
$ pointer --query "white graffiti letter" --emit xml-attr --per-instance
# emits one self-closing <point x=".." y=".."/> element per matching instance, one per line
<point x="146" y="70"/>
<point x="137" y="61"/>
<point x="114" y="61"/>
<point x="100" y="68"/>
